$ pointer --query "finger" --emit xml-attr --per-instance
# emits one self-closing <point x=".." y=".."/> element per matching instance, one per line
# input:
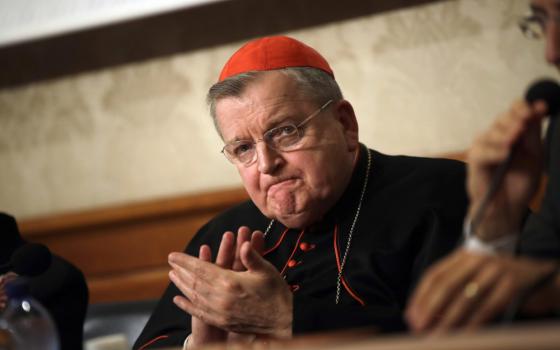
<point x="494" y="303"/>
<point x="252" y="260"/>
<point x="196" y="294"/>
<point x="195" y="310"/>
<point x="257" y="242"/>
<point x="226" y="252"/>
<point x="489" y="149"/>
<point x="540" y="108"/>
<point x="495" y="144"/>
<point x="243" y="235"/>
<point x="204" y="253"/>
<point x="194" y="270"/>
<point x="464" y="306"/>
<point x="440" y="289"/>
<point x="430" y="279"/>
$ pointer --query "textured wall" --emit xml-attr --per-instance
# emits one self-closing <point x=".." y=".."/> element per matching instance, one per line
<point x="422" y="81"/>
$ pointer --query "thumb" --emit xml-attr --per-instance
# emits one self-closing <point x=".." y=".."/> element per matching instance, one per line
<point x="252" y="260"/>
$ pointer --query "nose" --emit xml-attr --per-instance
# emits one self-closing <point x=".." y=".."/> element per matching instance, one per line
<point x="553" y="43"/>
<point x="268" y="159"/>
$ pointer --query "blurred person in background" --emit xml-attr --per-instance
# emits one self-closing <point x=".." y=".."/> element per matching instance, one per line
<point x="509" y="263"/>
<point x="60" y="287"/>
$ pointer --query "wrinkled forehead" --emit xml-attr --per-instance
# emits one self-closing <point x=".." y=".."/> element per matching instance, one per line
<point x="266" y="102"/>
<point x="269" y="92"/>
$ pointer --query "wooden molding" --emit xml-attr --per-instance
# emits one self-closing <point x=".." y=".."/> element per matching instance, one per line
<point x="123" y="250"/>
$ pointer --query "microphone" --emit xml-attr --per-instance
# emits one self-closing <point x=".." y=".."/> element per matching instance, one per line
<point x="30" y="259"/>
<point x="547" y="90"/>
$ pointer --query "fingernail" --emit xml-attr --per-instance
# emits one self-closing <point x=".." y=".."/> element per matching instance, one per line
<point x="172" y="257"/>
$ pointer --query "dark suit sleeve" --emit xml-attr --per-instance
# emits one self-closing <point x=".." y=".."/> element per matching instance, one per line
<point x="540" y="237"/>
<point x="442" y="232"/>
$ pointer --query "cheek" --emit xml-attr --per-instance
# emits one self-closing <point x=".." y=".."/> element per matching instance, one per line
<point x="250" y="179"/>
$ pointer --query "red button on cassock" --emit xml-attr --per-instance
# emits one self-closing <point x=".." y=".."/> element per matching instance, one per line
<point x="292" y="263"/>
<point x="304" y="246"/>
<point x="294" y="287"/>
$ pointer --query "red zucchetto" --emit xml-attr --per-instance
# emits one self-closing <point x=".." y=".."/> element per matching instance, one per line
<point x="273" y="52"/>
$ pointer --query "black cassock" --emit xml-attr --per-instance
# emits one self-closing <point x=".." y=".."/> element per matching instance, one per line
<point x="412" y="215"/>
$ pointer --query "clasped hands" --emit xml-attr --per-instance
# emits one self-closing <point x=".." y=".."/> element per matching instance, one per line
<point x="237" y="297"/>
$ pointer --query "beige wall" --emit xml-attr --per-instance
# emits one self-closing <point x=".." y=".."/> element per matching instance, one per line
<point x="423" y="81"/>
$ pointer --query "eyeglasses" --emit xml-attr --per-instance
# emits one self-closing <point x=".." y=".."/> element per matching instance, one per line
<point x="533" y="26"/>
<point x="283" y="138"/>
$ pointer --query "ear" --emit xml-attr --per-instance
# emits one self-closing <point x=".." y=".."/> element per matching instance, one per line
<point x="347" y="119"/>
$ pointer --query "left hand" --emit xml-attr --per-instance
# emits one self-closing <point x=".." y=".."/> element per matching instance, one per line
<point x="468" y="289"/>
<point x="256" y="301"/>
<point x="516" y="132"/>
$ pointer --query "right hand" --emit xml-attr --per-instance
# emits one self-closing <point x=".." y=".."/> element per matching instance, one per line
<point x="227" y="257"/>
<point x="467" y="290"/>
<point x="519" y="131"/>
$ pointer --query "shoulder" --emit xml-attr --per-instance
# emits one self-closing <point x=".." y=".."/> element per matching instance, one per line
<point x="420" y="165"/>
<point x="419" y="182"/>
<point x="245" y="213"/>
<point x="419" y="170"/>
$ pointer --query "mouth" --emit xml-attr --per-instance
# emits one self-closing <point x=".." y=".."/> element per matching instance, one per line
<point x="278" y="185"/>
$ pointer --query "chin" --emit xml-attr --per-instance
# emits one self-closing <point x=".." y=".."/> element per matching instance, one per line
<point x="296" y="220"/>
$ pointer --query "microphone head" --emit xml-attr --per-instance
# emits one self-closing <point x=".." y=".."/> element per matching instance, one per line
<point x="31" y="259"/>
<point x="547" y="90"/>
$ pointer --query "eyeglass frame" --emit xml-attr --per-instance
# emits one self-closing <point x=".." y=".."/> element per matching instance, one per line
<point x="526" y="24"/>
<point x="298" y="130"/>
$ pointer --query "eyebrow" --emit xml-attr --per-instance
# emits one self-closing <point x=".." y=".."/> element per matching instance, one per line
<point x="270" y="124"/>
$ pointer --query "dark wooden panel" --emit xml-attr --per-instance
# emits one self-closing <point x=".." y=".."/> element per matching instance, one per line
<point x="146" y="284"/>
<point x="123" y="250"/>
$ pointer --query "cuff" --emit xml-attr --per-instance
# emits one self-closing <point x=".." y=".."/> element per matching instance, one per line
<point x="185" y="343"/>
<point x="503" y="245"/>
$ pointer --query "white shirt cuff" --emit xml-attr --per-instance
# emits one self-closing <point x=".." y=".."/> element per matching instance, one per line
<point x="503" y="245"/>
<point x="186" y="342"/>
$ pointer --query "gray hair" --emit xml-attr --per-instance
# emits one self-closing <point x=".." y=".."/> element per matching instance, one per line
<point x="313" y="83"/>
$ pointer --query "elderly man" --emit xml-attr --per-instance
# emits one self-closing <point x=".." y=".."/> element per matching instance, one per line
<point x="471" y="288"/>
<point x="335" y="235"/>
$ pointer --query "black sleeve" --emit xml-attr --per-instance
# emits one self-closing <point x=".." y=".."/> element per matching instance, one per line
<point x="540" y="237"/>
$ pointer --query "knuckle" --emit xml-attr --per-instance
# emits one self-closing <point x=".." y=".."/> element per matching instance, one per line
<point x="226" y="305"/>
<point x="230" y="286"/>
